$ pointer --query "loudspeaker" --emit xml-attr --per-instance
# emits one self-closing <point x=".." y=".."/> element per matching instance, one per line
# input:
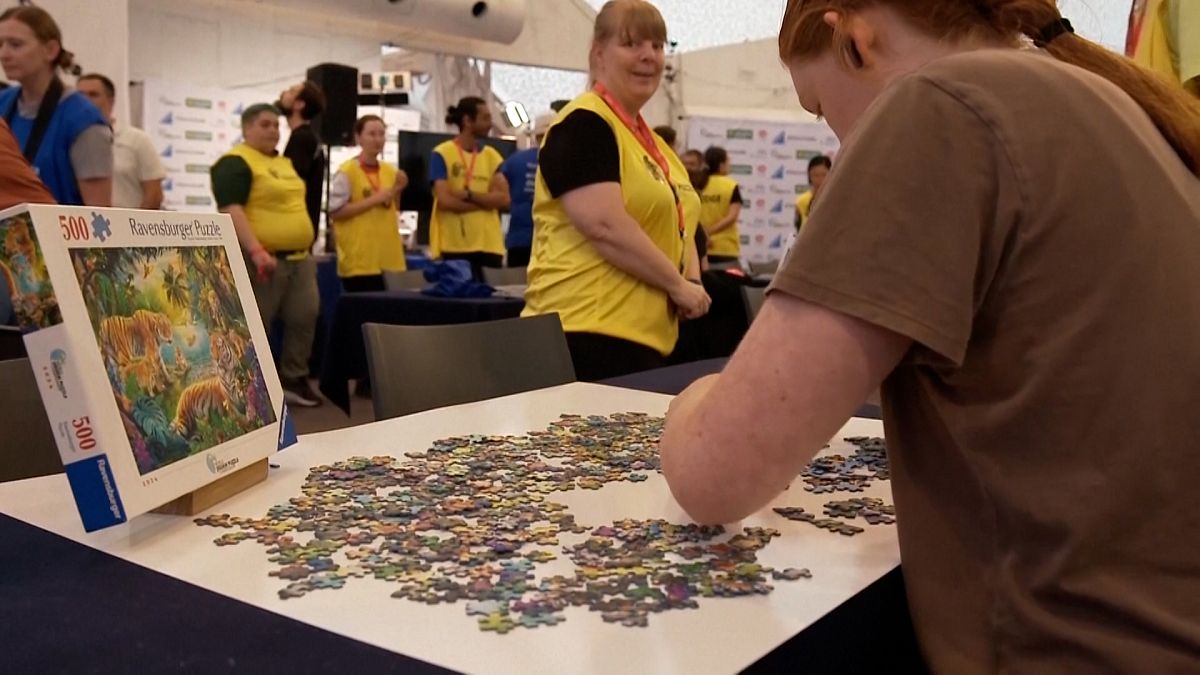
<point x="335" y="125"/>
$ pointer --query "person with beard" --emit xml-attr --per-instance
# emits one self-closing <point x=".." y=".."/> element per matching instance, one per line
<point x="469" y="191"/>
<point x="300" y="104"/>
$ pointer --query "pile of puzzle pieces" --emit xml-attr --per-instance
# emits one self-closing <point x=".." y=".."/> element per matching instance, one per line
<point x="469" y="520"/>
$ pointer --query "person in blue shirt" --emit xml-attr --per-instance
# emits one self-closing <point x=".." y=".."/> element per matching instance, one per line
<point x="520" y="169"/>
<point x="61" y="133"/>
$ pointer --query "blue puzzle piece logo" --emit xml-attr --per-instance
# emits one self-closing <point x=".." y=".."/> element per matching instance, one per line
<point x="101" y="227"/>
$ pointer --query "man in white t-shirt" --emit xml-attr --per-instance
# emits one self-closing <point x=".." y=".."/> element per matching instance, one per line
<point x="137" y="171"/>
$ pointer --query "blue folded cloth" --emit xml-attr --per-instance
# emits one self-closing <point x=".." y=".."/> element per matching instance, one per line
<point x="452" y="279"/>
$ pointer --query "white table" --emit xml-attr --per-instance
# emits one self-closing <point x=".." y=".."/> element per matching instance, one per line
<point x="724" y="635"/>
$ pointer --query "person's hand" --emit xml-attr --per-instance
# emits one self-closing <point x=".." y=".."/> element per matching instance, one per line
<point x="401" y="182"/>
<point x="691" y="300"/>
<point x="264" y="263"/>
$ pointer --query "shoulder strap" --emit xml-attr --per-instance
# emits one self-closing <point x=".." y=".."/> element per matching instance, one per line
<point x="42" y="122"/>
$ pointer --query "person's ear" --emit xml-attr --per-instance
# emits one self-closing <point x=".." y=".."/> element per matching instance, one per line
<point x="856" y="37"/>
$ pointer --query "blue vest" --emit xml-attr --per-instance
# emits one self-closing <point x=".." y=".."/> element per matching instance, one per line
<point x="52" y="163"/>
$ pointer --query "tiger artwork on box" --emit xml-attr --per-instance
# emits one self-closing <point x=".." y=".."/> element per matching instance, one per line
<point x="176" y="347"/>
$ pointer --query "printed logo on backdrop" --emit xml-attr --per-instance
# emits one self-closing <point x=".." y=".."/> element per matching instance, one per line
<point x="168" y="151"/>
<point x="190" y="119"/>
<point x="780" y="138"/>
<point x="762" y="134"/>
<point x="705" y="132"/>
<point x="740" y="170"/>
<point x="761" y="169"/>
<point x="738" y="152"/>
<point x="200" y="103"/>
<point x="163" y="133"/>
<point x="760" y="153"/>
<point x="198" y="200"/>
<point x="169" y="102"/>
<point x="781" y="154"/>
<point x="168" y="184"/>
<point x="198" y="135"/>
<point x="777" y="207"/>
<point x="778" y="173"/>
<point x="739" y="134"/>
<point x="238" y="109"/>
<point x="195" y="168"/>
<point x="168" y="119"/>
<point x="777" y="224"/>
<point x="777" y="242"/>
<point x="777" y="189"/>
<point x="801" y="189"/>
<point x="755" y="189"/>
<point x="806" y="155"/>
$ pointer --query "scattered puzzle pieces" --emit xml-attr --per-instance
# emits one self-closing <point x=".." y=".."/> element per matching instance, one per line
<point x="470" y="519"/>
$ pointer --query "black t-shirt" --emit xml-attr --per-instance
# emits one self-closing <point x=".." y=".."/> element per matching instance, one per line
<point x="580" y="150"/>
<point x="308" y="158"/>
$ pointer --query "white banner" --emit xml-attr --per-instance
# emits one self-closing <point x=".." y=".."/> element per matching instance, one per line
<point x="769" y="160"/>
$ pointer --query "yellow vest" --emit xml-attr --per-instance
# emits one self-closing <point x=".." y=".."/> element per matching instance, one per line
<point x="804" y="205"/>
<point x="715" y="199"/>
<point x="275" y="208"/>
<point x="368" y="243"/>
<point x="476" y="231"/>
<point x="568" y="276"/>
<point x="1167" y="43"/>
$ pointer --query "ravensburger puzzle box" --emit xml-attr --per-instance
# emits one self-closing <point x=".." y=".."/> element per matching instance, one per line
<point x="148" y="348"/>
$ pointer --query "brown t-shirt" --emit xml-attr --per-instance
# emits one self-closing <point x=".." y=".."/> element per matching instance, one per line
<point x="1025" y="224"/>
<point x="18" y="182"/>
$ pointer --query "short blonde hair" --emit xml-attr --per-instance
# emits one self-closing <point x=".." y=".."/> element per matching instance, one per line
<point x="629" y="20"/>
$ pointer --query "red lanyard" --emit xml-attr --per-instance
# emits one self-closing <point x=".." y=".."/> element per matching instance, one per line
<point x="469" y="167"/>
<point x="641" y="131"/>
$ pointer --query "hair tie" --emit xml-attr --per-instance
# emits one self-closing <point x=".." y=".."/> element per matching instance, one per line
<point x="1053" y="31"/>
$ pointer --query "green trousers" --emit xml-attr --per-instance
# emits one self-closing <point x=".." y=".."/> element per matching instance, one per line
<point x="291" y="295"/>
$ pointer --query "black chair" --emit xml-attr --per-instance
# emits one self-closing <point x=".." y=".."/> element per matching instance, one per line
<point x="410" y="280"/>
<point x="415" y="368"/>
<point x="28" y="449"/>
<point x="753" y="297"/>
<point x="759" y="269"/>
<point x="505" y="276"/>
<point x="12" y="345"/>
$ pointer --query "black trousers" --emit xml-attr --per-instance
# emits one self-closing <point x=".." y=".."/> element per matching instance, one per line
<point x="363" y="284"/>
<point x="722" y="258"/>
<point x="478" y="260"/>
<point x="518" y="256"/>
<point x="599" y="357"/>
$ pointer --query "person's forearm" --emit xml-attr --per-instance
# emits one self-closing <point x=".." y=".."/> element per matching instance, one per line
<point x="455" y="205"/>
<point x="241" y="225"/>
<point x="352" y="209"/>
<point x="693" y="261"/>
<point x="722" y="225"/>
<point x="492" y="200"/>
<point x="152" y="195"/>
<point x="624" y="245"/>
<point x="96" y="191"/>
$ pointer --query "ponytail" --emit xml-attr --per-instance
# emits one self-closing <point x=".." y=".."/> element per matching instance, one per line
<point x="805" y="34"/>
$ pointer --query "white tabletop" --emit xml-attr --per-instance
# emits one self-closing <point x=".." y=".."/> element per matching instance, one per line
<point x="724" y="635"/>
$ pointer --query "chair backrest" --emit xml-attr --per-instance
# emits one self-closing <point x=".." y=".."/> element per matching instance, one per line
<point x="415" y="368"/>
<point x="28" y="449"/>
<point x="410" y="280"/>
<point x="753" y="297"/>
<point x="12" y="344"/>
<point x="768" y="267"/>
<point x="505" y="276"/>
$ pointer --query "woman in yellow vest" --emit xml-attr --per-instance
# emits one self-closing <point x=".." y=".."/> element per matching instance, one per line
<point x="364" y="197"/>
<point x="1164" y="36"/>
<point x="264" y="197"/>
<point x="721" y="206"/>
<point x="614" y="214"/>
<point x="468" y="191"/>
<point x="818" y="171"/>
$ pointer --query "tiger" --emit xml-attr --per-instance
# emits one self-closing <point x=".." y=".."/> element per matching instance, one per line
<point x="150" y="379"/>
<point x="227" y="349"/>
<point x="198" y="401"/>
<point x="127" y="338"/>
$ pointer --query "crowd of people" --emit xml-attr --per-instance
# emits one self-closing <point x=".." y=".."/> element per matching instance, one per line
<point x="1006" y="249"/>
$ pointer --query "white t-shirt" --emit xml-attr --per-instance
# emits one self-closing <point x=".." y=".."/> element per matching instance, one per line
<point x="134" y="160"/>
